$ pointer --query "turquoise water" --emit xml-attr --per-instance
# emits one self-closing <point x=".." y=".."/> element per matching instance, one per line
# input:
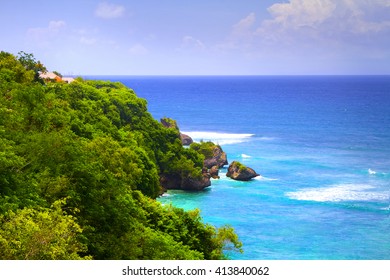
<point x="321" y="145"/>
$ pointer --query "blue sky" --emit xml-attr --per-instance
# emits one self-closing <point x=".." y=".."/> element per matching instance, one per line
<point x="225" y="37"/>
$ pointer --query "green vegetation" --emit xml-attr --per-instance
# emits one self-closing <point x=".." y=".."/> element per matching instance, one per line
<point x="204" y="148"/>
<point x="240" y="166"/>
<point x="29" y="63"/>
<point x="80" y="168"/>
<point x="170" y="123"/>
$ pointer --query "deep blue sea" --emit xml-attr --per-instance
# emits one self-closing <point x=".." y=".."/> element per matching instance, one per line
<point x="320" y="143"/>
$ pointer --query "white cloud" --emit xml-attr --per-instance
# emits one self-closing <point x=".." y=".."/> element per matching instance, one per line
<point x="298" y="22"/>
<point x="43" y="35"/>
<point x="241" y="35"/>
<point x="245" y="23"/>
<point x="53" y="28"/>
<point x="56" y="25"/>
<point x="244" y="27"/>
<point x="314" y="24"/>
<point x="138" y="49"/>
<point x="337" y="17"/>
<point x="299" y="13"/>
<point x="109" y="11"/>
<point x="316" y="34"/>
<point x="189" y="42"/>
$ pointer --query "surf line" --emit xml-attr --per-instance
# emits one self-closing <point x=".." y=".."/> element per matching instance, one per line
<point x="220" y="138"/>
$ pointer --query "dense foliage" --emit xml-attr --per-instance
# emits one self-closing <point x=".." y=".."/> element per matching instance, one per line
<point x="80" y="168"/>
<point x="204" y="148"/>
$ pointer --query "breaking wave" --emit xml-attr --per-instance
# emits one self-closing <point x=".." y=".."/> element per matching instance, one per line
<point x="219" y="137"/>
<point x="336" y="193"/>
<point x="262" y="178"/>
<point x="265" y="138"/>
<point x="371" y="172"/>
<point x="245" y="156"/>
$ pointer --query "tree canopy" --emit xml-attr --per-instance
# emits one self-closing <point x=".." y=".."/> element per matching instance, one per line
<point x="80" y="168"/>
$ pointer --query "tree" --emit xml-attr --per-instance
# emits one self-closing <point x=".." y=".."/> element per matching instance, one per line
<point x="29" y="62"/>
<point x="187" y="228"/>
<point x="40" y="234"/>
<point x="11" y="70"/>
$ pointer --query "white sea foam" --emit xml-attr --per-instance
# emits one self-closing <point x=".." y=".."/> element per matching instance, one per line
<point x="336" y="193"/>
<point x="371" y="172"/>
<point x="245" y="156"/>
<point x="265" y="138"/>
<point x="165" y="194"/>
<point x="262" y="178"/>
<point x="219" y="137"/>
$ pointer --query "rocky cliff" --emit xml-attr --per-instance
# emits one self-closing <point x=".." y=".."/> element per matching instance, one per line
<point x="170" y="123"/>
<point x="179" y="182"/>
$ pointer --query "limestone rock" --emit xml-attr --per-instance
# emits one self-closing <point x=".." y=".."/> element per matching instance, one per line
<point x="194" y="184"/>
<point x="240" y="172"/>
<point x="185" y="139"/>
<point x="177" y="182"/>
<point x="170" y="181"/>
<point x="214" y="171"/>
<point x="219" y="158"/>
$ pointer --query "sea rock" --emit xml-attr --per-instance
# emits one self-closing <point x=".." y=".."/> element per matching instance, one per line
<point x="194" y="184"/>
<point x="218" y="159"/>
<point x="214" y="172"/>
<point x="170" y="181"/>
<point x="177" y="182"/>
<point x="240" y="172"/>
<point x="185" y="139"/>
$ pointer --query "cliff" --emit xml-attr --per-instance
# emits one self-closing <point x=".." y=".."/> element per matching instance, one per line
<point x="80" y="169"/>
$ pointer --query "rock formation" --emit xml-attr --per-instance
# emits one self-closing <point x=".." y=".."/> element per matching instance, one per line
<point x="185" y="139"/>
<point x="214" y="171"/>
<point x="215" y="158"/>
<point x="193" y="184"/>
<point x="218" y="158"/>
<point x="177" y="182"/>
<point x="240" y="172"/>
<point x="169" y="123"/>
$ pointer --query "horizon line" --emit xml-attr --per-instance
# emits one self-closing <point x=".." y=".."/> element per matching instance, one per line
<point x="227" y="75"/>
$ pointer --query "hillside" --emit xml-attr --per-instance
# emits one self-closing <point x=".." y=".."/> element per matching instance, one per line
<point x="80" y="168"/>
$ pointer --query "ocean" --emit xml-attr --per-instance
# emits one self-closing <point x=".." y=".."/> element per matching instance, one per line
<point x="320" y="143"/>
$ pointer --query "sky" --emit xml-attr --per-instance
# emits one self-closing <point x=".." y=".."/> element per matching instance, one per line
<point x="202" y="37"/>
